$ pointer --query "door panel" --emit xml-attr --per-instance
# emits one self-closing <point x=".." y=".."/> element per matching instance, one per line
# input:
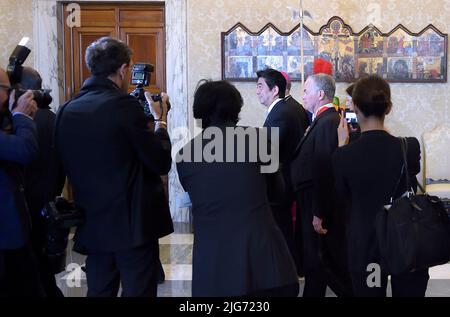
<point x="146" y="44"/>
<point x="142" y="18"/>
<point x="98" y="17"/>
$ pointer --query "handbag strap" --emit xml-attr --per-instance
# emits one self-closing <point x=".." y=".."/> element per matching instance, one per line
<point x="404" y="147"/>
<point x="404" y="143"/>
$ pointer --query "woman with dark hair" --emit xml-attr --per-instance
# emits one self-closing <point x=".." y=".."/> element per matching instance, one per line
<point x="348" y="99"/>
<point x="367" y="173"/>
<point x="354" y="129"/>
<point x="238" y="248"/>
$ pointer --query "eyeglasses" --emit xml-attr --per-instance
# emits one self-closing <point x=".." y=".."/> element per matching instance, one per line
<point x="8" y="88"/>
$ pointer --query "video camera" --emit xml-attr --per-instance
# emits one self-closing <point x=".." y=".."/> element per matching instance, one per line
<point x="15" y="70"/>
<point x="62" y="213"/>
<point x="59" y="217"/>
<point x="140" y="77"/>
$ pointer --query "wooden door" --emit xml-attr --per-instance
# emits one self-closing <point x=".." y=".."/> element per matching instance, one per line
<point x="141" y="26"/>
<point x="145" y="42"/>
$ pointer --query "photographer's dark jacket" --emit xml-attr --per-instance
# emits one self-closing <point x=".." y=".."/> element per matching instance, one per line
<point x="114" y="164"/>
<point x="16" y="150"/>
<point x="44" y="178"/>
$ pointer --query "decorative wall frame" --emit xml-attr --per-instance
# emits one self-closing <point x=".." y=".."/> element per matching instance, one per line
<point x="397" y="56"/>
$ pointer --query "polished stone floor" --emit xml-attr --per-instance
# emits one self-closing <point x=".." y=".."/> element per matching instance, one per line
<point x="176" y="257"/>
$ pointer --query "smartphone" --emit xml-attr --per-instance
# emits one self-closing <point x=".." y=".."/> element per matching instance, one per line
<point x="350" y="117"/>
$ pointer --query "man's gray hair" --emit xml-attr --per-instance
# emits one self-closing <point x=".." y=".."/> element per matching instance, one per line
<point x="326" y="83"/>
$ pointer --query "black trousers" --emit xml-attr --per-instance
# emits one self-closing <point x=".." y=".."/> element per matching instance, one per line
<point x="283" y="218"/>
<point x="48" y="279"/>
<point x="314" y="271"/>
<point x="38" y="240"/>
<point x="135" y="269"/>
<point x="412" y="284"/>
<point x="19" y="275"/>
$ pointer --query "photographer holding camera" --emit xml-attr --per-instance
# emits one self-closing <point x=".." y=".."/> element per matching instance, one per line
<point x="114" y="162"/>
<point x="44" y="180"/>
<point x="18" y="147"/>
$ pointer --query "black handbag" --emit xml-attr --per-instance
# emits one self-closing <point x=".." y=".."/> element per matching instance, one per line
<point x="413" y="232"/>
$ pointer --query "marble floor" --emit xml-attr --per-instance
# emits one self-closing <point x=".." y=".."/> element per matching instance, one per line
<point x="176" y="258"/>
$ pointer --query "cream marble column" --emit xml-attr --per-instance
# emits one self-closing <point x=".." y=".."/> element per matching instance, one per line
<point x="47" y="46"/>
<point x="176" y="70"/>
<point x="48" y="60"/>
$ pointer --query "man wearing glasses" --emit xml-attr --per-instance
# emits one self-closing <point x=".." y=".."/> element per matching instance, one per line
<point x="18" y="146"/>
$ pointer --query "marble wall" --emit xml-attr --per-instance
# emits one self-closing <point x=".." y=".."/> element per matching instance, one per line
<point x="16" y="21"/>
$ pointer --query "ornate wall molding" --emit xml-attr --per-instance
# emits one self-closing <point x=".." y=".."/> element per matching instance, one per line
<point x="398" y="56"/>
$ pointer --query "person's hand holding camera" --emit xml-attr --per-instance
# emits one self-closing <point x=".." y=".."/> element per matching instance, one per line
<point x="25" y="104"/>
<point x="343" y="131"/>
<point x="159" y="109"/>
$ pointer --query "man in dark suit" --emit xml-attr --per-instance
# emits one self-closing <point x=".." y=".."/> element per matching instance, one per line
<point x="312" y="177"/>
<point x="303" y="117"/>
<point x="44" y="179"/>
<point x="303" y="121"/>
<point x="300" y="111"/>
<point x="114" y="162"/>
<point x="291" y="124"/>
<point x="18" y="146"/>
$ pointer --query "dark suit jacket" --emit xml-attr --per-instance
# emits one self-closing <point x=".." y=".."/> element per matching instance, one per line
<point x="44" y="177"/>
<point x="291" y="119"/>
<point x="238" y="248"/>
<point x="312" y="176"/>
<point x="300" y="113"/>
<point x="114" y="164"/>
<point x="16" y="150"/>
<point x="311" y="166"/>
<point x="367" y="171"/>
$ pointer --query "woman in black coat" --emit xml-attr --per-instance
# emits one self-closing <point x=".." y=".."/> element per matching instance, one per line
<point x="367" y="171"/>
<point x="238" y="248"/>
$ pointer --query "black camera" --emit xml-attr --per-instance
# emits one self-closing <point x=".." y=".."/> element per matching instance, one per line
<point x="15" y="72"/>
<point x="140" y="77"/>
<point x="62" y="213"/>
<point x="59" y="217"/>
<point x="41" y="96"/>
<point x="16" y="60"/>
